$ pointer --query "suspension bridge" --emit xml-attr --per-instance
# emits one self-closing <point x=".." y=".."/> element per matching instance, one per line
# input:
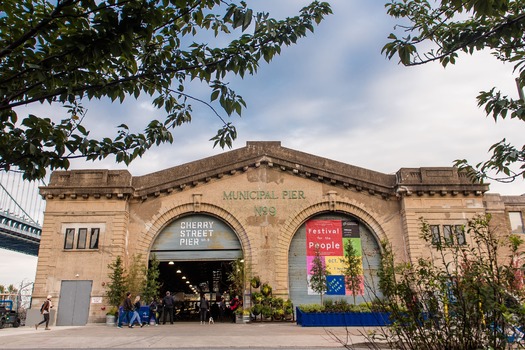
<point x="21" y="213"/>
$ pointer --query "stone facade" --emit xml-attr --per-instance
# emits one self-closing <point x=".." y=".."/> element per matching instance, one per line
<point x="283" y="188"/>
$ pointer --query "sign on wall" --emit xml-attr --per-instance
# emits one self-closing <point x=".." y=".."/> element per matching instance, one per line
<point x="197" y="237"/>
<point x="331" y="236"/>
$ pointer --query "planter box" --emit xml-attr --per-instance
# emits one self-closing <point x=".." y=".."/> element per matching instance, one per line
<point x="342" y="319"/>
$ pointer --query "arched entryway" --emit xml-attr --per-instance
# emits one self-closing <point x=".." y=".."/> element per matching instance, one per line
<point x="332" y="231"/>
<point x="195" y="254"/>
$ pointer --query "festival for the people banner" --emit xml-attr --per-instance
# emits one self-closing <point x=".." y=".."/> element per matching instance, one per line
<point x="331" y="236"/>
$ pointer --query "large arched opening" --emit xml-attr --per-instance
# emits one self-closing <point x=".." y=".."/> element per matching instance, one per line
<point x="195" y="253"/>
<point x="331" y="231"/>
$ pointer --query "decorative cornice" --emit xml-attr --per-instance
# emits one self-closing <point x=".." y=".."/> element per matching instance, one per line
<point x="120" y="184"/>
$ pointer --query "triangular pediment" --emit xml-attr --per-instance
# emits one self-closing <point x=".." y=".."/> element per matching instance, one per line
<point x="265" y="154"/>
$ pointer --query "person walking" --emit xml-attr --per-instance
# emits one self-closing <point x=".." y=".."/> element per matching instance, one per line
<point x="167" y="302"/>
<point x="127" y="310"/>
<point x="153" y="309"/>
<point x="204" y="306"/>
<point x="136" y="315"/>
<point x="45" y="310"/>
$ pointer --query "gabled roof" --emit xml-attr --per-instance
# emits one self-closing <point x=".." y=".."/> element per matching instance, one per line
<point x="260" y="154"/>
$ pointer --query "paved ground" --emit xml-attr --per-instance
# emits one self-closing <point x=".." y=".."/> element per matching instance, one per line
<point x="190" y="335"/>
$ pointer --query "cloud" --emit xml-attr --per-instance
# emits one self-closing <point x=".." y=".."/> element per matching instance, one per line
<point x="334" y="95"/>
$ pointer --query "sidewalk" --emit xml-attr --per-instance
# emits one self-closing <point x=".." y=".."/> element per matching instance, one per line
<point x="190" y="335"/>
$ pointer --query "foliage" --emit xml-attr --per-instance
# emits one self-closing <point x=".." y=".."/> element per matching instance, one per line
<point x="113" y="311"/>
<point x="116" y="288"/>
<point x="341" y="305"/>
<point x="256" y="309"/>
<point x="318" y="274"/>
<point x="386" y="272"/>
<point x="65" y="52"/>
<point x="10" y="289"/>
<point x="278" y="314"/>
<point x="257" y="297"/>
<point x="311" y="308"/>
<point x="136" y="275"/>
<point x="255" y="282"/>
<point x="236" y="277"/>
<point x="288" y="307"/>
<point x="442" y="29"/>
<point x="151" y="284"/>
<point x="353" y="271"/>
<point x="463" y="297"/>
<point x="137" y="279"/>
<point x="266" y="289"/>
<point x="267" y="311"/>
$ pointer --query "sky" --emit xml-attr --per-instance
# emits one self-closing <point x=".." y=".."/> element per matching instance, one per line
<point x="332" y="95"/>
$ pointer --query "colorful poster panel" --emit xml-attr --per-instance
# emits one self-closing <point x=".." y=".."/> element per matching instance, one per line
<point x="331" y="236"/>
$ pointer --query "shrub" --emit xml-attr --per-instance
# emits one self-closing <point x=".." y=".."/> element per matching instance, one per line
<point x="311" y="308"/>
<point x="468" y="296"/>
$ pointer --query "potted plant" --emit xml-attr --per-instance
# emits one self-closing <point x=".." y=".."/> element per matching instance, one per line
<point x="278" y="314"/>
<point x="246" y="315"/>
<point x="267" y="312"/>
<point x="288" y="310"/>
<point x="340" y="313"/>
<point x="257" y="297"/>
<point x="256" y="309"/>
<point x="115" y="289"/>
<point x="111" y="316"/>
<point x="255" y="282"/>
<point x="266" y="289"/>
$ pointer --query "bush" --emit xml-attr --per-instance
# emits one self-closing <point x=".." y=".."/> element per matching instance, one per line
<point x="468" y="297"/>
<point x="311" y="308"/>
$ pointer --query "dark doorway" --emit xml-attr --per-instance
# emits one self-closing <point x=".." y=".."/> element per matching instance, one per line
<point x="187" y="279"/>
<point x="203" y="276"/>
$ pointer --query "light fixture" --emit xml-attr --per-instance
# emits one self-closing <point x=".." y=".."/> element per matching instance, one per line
<point x="171" y="263"/>
<point x="179" y="271"/>
<point x="183" y="277"/>
<point x="187" y="282"/>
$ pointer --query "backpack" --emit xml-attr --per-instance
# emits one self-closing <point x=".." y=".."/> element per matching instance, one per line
<point x="43" y="307"/>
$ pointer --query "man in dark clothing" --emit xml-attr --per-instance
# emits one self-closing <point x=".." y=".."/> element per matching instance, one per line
<point x="127" y="308"/>
<point x="167" y="302"/>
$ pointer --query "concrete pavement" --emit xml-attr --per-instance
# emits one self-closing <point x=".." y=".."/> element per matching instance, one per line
<point x="183" y="335"/>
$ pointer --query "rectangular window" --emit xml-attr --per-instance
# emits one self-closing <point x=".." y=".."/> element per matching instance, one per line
<point x="460" y="234"/>
<point x="516" y="222"/>
<point x="69" y="238"/>
<point x="447" y="234"/>
<point x="82" y="235"/>
<point x="93" y="241"/>
<point x="434" y="230"/>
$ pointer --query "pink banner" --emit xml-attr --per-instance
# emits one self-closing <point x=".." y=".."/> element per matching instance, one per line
<point x="327" y="235"/>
